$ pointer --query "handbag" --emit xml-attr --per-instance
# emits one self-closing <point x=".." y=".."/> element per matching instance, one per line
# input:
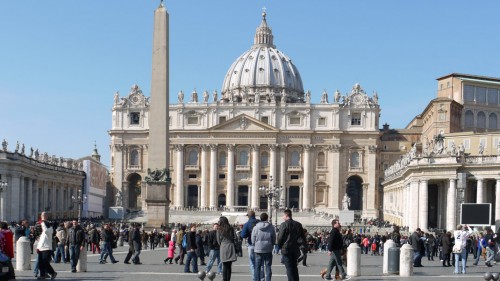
<point x="457" y="249"/>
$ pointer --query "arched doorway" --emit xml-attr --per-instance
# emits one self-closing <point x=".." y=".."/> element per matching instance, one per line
<point x="221" y="201"/>
<point x="134" y="191"/>
<point x="355" y="192"/>
<point x="293" y="197"/>
<point x="192" y="196"/>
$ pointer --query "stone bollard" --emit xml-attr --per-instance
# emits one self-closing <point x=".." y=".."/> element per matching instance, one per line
<point x="23" y="254"/>
<point x="406" y="261"/>
<point x="120" y="241"/>
<point x="81" y="266"/>
<point x="387" y="245"/>
<point x="354" y="260"/>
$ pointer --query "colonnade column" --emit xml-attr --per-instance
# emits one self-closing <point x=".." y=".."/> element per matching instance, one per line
<point x="497" y="200"/>
<point x="480" y="191"/>
<point x="15" y="187"/>
<point x="29" y="207"/>
<point x="22" y="200"/>
<point x="306" y="203"/>
<point x="334" y="167"/>
<point x="451" y="206"/>
<point x="424" y="205"/>
<point x="204" y="175"/>
<point x="230" y="176"/>
<point x="213" y="175"/>
<point x="283" y="169"/>
<point x="3" y="201"/>
<point x="179" y="176"/>
<point x="255" y="177"/>
<point x="414" y="205"/>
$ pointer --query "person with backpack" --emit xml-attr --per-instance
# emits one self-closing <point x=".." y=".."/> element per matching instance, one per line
<point x="246" y="233"/>
<point x="335" y="248"/>
<point x="481" y="248"/>
<point x="182" y="252"/>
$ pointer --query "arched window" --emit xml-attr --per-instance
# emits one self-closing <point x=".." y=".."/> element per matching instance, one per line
<point x="295" y="158"/>
<point x="354" y="159"/>
<point x="243" y="158"/>
<point x="222" y="159"/>
<point x="469" y="119"/>
<point x="264" y="159"/>
<point x="492" y="122"/>
<point x="193" y="157"/>
<point x="481" y="120"/>
<point x="321" y="159"/>
<point x="134" y="158"/>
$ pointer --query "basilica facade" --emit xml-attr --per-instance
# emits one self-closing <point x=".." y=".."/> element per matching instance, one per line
<point x="261" y="131"/>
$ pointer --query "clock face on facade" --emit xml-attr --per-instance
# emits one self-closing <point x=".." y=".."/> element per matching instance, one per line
<point x="134" y="99"/>
<point x="357" y="99"/>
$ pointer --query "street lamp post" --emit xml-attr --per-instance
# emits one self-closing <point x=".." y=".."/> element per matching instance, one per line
<point x="79" y="200"/>
<point x="3" y="186"/>
<point x="273" y="194"/>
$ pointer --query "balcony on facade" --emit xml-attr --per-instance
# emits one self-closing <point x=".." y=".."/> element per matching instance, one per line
<point x="242" y="168"/>
<point x="191" y="167"/>
<point x="294" y="168"/>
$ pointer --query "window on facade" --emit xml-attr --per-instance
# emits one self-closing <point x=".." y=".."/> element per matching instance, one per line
<point x="492" y="96"/>
<point x="294" y="120"/>
<point x="222" y="176"/>
<point x="321" y="159"/>
<point x="322" y="121"/>
<point x="482" y="142"/>
<point x="222" y="159"/>
<point x="480" y="95"/>
<point x="135" y="117"/>
<point x="295" y="158"/>
<point x="263" y="177"/>
<point x="469" y="119"/>
<point x="481" y="120"/>
<point x="222" y="119"/>
<point x="468" y="93"/>
<point x="193" y="157"/>
<point x="134" y="158"/>
<point x="442" y="116"/>
<point x="356" y="119"/>
<point x="294" y="177"/>
<point x="265" y="119"/>
<point x="354" y="159"/>
<point x="192" y="176"/>
<point x="466" y="144"/>
<point x="243" y="158"/>
<point x="264" y="159"/>
<point x="192" y="120"/>
<point x="492" y="121"/>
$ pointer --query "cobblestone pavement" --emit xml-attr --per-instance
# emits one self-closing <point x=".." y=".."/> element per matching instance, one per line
<point x="154" y="269"/>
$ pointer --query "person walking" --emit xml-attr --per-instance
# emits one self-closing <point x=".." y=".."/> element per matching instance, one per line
<point x="263" y="237"/>
<point x="136" y="240"/>
<point x="481" y="248"/>
<point x="94" y="239"/>
<point x="62" y="236"/>
<point x="108" y="238"/>
<point x="290" y="237"/>
<point x="191" y="248"/>
<point x="459" y="249"/>
<point x="246" y="233"/>
<point x="226" y="238"/>
<point x="182" y="251"/>
<point x="76" y="238"/>
<point x="417" y="249"/>
<point x="214" y="249"/>
<point x="335" y="248"/>
<point x="130" y="246"/>
<point x="44" y="249"/>
<point x="446" y="248"/>
<point x="171" y="252"/>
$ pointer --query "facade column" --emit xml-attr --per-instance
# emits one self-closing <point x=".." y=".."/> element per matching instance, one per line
<point x="308" y="189"/>
<point x="334" y="167"/>
<point x="424" y="205"/>
<point x="204" y="175"/>
<point x="451" y="207"/>
<point x="497" y="200"/>
<point x="255" y="177"/>
<point x="372" y="194"/>
<point x="179" y="177"/>
<point x="213" y="175"/>
<point x="283" y="169"/>
<point x="480" y="190"/>
<point x="414" y="205"/>
<point x="230" y="176"/>
<point x="272" y="164"/>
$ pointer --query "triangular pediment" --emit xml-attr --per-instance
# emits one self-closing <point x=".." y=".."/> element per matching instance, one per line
<point x="244" y="122"/>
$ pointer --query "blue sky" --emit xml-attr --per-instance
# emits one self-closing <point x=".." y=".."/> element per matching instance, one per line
<point x="62" y="61"/>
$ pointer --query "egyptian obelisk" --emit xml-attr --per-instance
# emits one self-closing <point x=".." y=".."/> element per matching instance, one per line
<point x="158" y="180"/>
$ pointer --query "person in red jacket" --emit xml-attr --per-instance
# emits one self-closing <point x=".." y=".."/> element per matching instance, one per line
<point x="7" y="243"/>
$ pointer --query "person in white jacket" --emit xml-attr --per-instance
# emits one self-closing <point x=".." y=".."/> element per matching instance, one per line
<point x="460" y="250"/>
<point x="44" y="250"/>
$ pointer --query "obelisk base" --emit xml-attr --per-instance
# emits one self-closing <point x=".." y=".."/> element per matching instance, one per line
<point x="157" y="204"/>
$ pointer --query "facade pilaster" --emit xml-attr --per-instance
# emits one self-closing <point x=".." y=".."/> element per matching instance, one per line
<point x="230" y="176"/>
<point x="213" y="175"/>
<point x="306" y="200"/>
<point x="480" y="190"/>
<point x="255" y="177"/>
<point x="414" y="204"/>
<point x="451" y="207"/>
<point x="334" y="167"/>
<point x="497" y="200"/>
<point x="283" y="169"/>
<point x="179" y="178"/>
<point x="424" y="205"/>
<point x="204" y="175"/>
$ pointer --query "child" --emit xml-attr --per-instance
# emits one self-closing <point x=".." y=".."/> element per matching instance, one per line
<point x="171" y="252"/>
<point x="374" y="248"/>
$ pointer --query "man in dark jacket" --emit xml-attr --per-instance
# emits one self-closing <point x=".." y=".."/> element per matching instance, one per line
<point x="76" y="240"/>
<point x="135" y="237"/>
<point x="290" y="237"/>
<point x="21" y="230"/>
<point x="107" y="244"/>
<point x="246" y="232"/>
<point x="191" y="250"/>
<point x="130" y="253"/>
<point x="335" y="248"/>
<point x="214" y="248"/>
<point x="417" y="248"/>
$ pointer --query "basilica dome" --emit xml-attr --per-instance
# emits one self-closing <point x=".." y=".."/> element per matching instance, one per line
<point x="263" y="73"/>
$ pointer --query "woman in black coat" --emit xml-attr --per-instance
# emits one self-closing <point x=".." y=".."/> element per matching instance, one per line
<point x="446" y="246"/>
